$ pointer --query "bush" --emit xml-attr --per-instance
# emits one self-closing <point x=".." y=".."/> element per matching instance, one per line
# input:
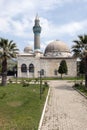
<point x="76" y="85"/>
<point x="36" y="80"/>
<point x="25" y="83"/>
<point x="46" y="84"/>
<point x="10" y="80"/>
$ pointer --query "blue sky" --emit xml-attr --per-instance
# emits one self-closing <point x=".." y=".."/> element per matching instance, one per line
<point x="60" y="20"/>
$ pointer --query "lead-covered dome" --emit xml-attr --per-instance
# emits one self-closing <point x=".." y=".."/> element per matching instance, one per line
<point x="57" y="48"/>
<point x="28" y="49"/>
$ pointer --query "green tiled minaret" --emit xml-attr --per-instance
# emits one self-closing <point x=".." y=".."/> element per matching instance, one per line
<point x="37" y="31"/>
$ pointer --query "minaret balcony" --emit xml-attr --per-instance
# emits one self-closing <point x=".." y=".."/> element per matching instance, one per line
<point x="37" y="29"/>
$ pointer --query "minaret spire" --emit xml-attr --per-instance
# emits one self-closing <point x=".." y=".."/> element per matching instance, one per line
<point x="37" y="17"/>
<point x="37" y="31"/>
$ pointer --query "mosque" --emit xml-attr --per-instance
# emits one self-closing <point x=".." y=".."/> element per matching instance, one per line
<point x="32" y="62"/>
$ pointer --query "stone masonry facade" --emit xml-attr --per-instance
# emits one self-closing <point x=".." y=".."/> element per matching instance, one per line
<point x="49" y="65"/>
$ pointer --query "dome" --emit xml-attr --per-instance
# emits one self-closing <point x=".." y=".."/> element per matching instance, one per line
<point x="28" y="49"/>
<point x="57" y="48"/>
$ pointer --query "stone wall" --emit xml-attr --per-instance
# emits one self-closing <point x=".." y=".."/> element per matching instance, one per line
<point x="50" y="65"/>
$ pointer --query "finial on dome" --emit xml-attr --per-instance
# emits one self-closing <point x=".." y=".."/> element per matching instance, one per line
<point x="37" y="17"/>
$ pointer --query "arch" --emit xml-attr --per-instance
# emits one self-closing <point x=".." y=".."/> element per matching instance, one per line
<point x="23" y="68"/>
<point x="31" y="68"/>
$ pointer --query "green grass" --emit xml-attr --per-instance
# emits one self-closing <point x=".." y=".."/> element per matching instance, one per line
<point x="20" y="107"/>
<point x="52" y="78"/>
<point x="81" y="88"/>
<point x="64" y="78"/>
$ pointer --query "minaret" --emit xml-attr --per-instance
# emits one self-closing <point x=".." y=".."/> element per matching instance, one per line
<point x="37" y="31"/>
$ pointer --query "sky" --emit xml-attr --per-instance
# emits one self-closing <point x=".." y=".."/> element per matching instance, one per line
<point x="60" y="20"/>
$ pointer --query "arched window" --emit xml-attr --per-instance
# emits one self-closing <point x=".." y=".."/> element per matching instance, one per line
<point x="23" y="68"/>
<point x="31" y="68"/>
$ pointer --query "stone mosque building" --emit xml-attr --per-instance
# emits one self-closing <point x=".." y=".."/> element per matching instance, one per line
<point x="32" y="62"/>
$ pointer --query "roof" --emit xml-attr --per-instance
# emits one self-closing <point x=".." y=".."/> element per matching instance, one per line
<point x="57" y="48"/>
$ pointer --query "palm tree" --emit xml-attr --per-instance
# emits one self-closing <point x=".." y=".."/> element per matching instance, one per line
<point x="79" y="50"/>
<point x="8" y="50"/>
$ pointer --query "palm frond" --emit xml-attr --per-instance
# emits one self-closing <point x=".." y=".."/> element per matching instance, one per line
<point x="80" y="45"/>
<point x="9" y="48"/>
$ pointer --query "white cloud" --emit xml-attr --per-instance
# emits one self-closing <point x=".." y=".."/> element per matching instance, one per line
<point x="51" y="30"/>
<point x="52" y="4"/>
<point x="23" y="27"/>
<point x="16" y="27"/>
<point x="16" y="18"/>
<point x="4" y="25"/>
<point x="13" y="8"/>
<point x="72" y="28"/>
<point x="16" y="15"/>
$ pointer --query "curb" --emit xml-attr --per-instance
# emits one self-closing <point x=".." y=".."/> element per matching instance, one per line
<point x="80" y="92"/>
<point x="43" y="112"/>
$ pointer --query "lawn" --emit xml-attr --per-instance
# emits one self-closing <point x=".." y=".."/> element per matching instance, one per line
<point x="54" y="78"/>
<point x="81" y="88"/>
<point x="21" y="107"/>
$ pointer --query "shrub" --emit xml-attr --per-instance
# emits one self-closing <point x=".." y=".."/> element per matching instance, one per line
<point x="46" y="84"/>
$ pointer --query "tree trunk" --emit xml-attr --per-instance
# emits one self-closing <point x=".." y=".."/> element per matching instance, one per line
<point x="86" y="71"/>
<point x="4" y="72"/>
<point x="4" y="79"/>
<point x="61" y="76"/>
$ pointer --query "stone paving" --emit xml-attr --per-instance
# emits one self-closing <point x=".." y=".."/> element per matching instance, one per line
<point x="66" y="108"/>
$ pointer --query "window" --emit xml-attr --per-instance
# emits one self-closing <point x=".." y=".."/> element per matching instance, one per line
<point x="23" y="68"/>
<point x="31" y="68"/>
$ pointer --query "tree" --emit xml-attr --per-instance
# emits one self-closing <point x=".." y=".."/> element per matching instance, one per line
<point x="80" y="50"/>
<point x="82" y="67"/>
<point x="63" y="68"/>
<point x="8" y="50"/>
<point x="0" y="68"/>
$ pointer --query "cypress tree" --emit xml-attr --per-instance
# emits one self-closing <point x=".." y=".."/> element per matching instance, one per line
<point x="63" y="68"/>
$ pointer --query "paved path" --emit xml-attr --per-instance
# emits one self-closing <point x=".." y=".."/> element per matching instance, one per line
<point x="66" y="108"/>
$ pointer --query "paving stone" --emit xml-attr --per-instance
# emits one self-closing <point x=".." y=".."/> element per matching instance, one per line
<point x="66" y="108"/>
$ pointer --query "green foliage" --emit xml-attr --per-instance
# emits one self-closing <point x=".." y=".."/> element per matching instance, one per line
<point x="81" y="88"/>
<point x="12" y="64"/>
<point x="26" y="82"/>
<point x="0" y="67"/>
<point x="36" y="80"/>
<point x="8" y="50"/>
<point x="2" y="94"/>
<point x="63" y="68"/>
<point x="80" y="46"/>
<point x="80" y="50"/>
<point x="46" y="83"/>
<point x="21" y="107"/>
